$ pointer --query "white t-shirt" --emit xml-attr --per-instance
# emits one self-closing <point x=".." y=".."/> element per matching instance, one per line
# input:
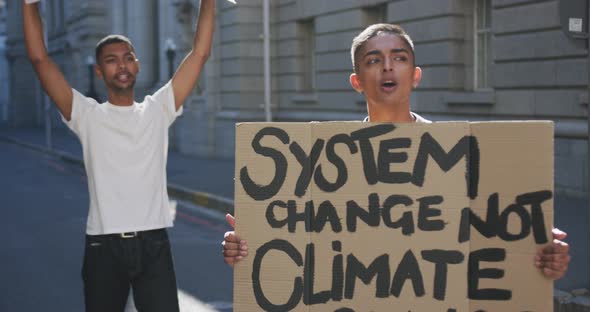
<point x="125" y="151"/>
<point x="417" y="118"/>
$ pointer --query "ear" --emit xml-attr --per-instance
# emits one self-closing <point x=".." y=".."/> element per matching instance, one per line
<point x="417" y="77"/>
<point x="355" y="83"/>
<point x="97" y="71"/>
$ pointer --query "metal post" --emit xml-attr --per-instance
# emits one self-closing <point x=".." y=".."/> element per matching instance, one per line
<point x="588" y="112"/>
<point x="588" y="99"/>
<point x="170" y="50"/>
<point x="91" y="75"/>
<point x="267" y="82"/>
<point x="90" y="65"/>
<point x="170" y="54"/>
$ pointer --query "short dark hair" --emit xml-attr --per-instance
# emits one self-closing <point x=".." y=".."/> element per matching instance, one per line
<point x="110" y="39"/>
<point x="374" y="30"/>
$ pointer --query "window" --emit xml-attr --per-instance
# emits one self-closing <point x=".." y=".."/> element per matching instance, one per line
<point x="482" y="61"/>
<point x="3" y="8"/>
<point x="60" y="16"/>
<point x="56" y="16"/>
<point x="375" y="14"/>
<point x="307" y="37"/>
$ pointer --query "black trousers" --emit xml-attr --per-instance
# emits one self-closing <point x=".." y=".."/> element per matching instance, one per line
<point x="113" y="264"/>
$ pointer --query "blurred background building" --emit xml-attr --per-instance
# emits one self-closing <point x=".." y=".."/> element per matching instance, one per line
<point x="481" y="60"/>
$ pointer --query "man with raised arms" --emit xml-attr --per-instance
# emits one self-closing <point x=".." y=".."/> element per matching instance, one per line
<point x="125" y="145"/>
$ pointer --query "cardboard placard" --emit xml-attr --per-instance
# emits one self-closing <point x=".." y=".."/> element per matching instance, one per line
<point x="355" y="216"/>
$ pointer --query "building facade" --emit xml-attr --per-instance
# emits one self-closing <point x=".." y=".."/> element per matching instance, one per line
<point x="481" y="60"/>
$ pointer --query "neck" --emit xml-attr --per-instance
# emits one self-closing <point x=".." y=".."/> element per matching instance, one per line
<point x="391" y="113"/>
<point x="121" y="99"/>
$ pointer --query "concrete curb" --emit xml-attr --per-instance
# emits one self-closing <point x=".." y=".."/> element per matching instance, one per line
<point x="204" y="199"/>
<point x="574" y="301"/>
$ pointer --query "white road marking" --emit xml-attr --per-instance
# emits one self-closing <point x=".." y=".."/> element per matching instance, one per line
<point x="188" y="303"/>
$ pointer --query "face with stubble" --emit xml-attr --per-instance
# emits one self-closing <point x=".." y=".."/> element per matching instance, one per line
<point x="118" y="66"/>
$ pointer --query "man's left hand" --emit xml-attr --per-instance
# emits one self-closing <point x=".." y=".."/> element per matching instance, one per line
<point x="553" y="259"/>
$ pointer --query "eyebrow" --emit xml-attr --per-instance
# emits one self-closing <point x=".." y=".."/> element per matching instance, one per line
<point x="115" y="55"/>
<point x="376" y="52"/>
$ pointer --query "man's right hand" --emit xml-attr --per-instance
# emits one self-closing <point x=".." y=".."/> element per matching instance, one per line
<point x="234" y="249"/>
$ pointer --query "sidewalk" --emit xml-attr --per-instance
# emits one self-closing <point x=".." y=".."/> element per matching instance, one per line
<point x="189" y="177"/>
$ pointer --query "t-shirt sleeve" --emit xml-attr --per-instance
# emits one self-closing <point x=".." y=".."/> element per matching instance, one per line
<point x="81" y="105"/>
<point x="165" y="98"/>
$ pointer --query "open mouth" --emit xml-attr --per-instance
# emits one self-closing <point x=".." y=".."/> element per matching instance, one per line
<point x="123" y="77"/>
<point x="388" y="85"/>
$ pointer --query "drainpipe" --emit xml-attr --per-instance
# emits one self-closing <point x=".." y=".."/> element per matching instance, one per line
<point x="266" y="35"/>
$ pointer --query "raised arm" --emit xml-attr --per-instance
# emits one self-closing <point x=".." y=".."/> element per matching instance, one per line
<point x="52" y="79"/>
<point x="188" y="72"/>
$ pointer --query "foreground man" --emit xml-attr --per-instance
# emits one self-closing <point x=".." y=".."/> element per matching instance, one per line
<point x="385" y="72"/>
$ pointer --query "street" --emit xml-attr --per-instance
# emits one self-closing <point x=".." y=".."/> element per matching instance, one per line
<point x="44" y="205"/>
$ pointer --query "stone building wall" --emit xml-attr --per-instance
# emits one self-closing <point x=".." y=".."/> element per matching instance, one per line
<point x="532" y="70"/>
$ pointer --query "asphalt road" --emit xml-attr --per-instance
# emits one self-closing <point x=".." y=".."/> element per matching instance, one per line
<point x="43" y="211"/>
